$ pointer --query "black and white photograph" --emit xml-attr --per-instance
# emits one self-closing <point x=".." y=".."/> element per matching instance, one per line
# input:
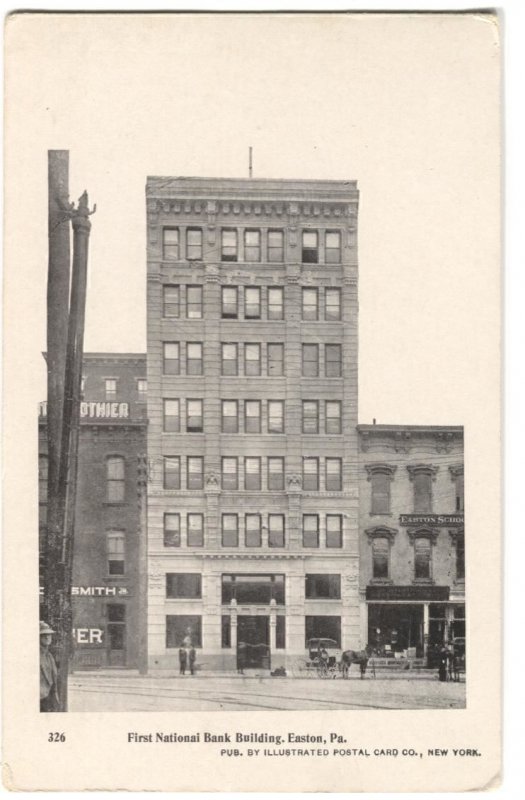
<point x="259" y="258"/>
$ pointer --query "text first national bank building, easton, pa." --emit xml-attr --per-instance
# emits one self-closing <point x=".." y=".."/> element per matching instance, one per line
<point x="253" y="519"/>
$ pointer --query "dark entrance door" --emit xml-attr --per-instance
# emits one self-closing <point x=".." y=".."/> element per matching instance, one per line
<point x="253" y="642"/>
<point x="116" y="635"/>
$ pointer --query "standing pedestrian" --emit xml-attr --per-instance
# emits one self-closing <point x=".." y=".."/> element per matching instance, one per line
<point x="191" y="657"/>
<point x="182" y="660"/>
<point x="443" y="664"/>
<point x="241" y="658"/>
<point x="49" y="700"/>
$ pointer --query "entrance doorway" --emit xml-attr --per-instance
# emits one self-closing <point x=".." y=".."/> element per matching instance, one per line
<point x="393" y="628"/>
<point x="253" y="642"/>
<point x="116" y="635"/>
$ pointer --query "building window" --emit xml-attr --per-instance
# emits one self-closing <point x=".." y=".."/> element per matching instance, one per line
<point x="332" y="304"/>
<point x="334" y="475"/>
<point x="194" y="358"/>
<point x="230" y="530"/>
<point x="170" y="244"/>
<point x="226" y="638"/>
<point x="334" y="530"/>
<point x="275" y="474"/>
<point x="171" y="416"/>
<point x="110" y="387"/>
<point x="115" y="552"/>
<point x="43" y="469"/>
<point x="280" y="632"/>
<point x="194" y="302"/>
<point x="456" y="474"/>
<point x="252" y="302"/>
<point x="172" y="472"/>
<point x="252" y="416"/>
<point x="195" y="530"/>
<point x="229" y="416"/>
<point x="310" y="416"/>
<point x="333" y="416"/>
<point x="181" y="626"/>
<point x="311" y="474"/>
<point x="322" y="587"/>
<point x="194" y="244"/>
<point x="229" y="302"/>
<point x="275" y="246"/>
<point x="460" y="557"/>
<point x="276" y="303"/>
<point x="380" y="558"/>
<point x="171" y="530"/>
<point x="422" y="559"/>
<point x="194" y="416"/>
<point x="310" y="251"/>
<point x="249" y="589"/>
<point x="310" y="367"/>
<point x="327" y="627"/>
<point x="195" y="472"/>
<point x="333" y="361"/>
<point x="252" y="359"/>
<point x="276" y="530"/>
<point x="183" y="585"/>
<point x="230" y="473"/>
<point x="380" y="477"/>
<point x="116" y="627"/>
<point x="275" y="416"/>
<point x="310" y="530"/>
<point x="275" y="359"/>
<point x="252" y="245"/>
<point x="310" y="305"/>
<point x="171" y="301"/>
<point x="116" y="479"/>
<point x="142" y="390"/>
<point x="229" y="359"/>
<point x="252" y="473"/>
<point x="422" y="476"/>
<point x="171" y="358"/>
<point x="252" y="532"/>
<point x="332" y="250"/>
<point x="229" y="245"/>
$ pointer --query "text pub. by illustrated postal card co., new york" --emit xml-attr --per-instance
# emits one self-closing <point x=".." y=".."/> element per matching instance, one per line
<point x="252" y="402"/>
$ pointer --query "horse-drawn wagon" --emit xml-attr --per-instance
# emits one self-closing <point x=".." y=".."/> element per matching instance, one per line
<point x="325" y="659"/>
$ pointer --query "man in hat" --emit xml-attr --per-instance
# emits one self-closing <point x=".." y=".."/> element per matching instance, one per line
<point x="48" y="672"/>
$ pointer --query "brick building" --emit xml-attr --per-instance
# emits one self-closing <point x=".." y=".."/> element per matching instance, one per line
<point x="412" y="544"/>
<point x="252" y="407"/>
<point x="108" y="536"/>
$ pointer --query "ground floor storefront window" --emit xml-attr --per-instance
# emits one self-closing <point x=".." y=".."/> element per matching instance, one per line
<point x="323" y="627"/>
<point x="393" y="628"/>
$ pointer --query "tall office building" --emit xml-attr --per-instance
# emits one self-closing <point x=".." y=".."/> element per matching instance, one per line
<point x="252" y="407"/>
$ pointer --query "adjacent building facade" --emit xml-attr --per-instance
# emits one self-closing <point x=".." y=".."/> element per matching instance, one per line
<point x="252" y="407"/>
<point x="110" y="518"/>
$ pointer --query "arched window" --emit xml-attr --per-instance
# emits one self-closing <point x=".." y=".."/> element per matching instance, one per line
<point x="115" y="478"/>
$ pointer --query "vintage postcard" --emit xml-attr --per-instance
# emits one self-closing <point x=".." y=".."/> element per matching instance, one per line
<point x="252" y="402"/>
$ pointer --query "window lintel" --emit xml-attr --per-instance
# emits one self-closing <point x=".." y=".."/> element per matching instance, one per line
<point x="380" y="468"/>
<point x="423" y="533"/>
<point x="422" y="469"/>
<point x="381" y="532"/>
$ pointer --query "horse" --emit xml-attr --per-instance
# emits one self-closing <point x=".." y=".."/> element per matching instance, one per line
<point x="350" y="657"/>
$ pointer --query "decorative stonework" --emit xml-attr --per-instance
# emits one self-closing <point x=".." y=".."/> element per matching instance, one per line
<point x="456" y="535"/>
<point x="423" y="533"/>
<point x="379" y="467"/>
<point x="246" y="208"/>
<point x="425" y="469"/>
<point x="294" y="482"/>
<point x="456" y="470"/>
<point x="381" y="532"/>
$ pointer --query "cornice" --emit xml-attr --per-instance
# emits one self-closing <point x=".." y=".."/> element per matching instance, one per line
<point x="381" y="531"/>
<point x="256" y="208"/>
<point x="422" y="469"/>
<point x="381" y="468"/>
<point x="423" y="533"/>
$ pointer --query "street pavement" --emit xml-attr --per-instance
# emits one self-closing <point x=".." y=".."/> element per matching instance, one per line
<point x="107" y="691"/>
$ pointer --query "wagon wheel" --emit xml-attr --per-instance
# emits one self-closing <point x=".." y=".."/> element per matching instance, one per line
<point x="322" y="670"/>
<point x="300" y="668"/>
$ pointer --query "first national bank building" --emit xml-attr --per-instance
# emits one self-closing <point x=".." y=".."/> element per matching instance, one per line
<point x="252" y="403"/>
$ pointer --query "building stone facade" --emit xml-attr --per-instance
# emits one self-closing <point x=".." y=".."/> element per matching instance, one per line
<point x="252" y="406"/>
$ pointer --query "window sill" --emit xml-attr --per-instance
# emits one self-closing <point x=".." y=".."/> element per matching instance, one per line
<point x="381" y="514"/>
<point x="423" y="582"/>
<point x="115" y="504"/>
<point x="380" y="582"/>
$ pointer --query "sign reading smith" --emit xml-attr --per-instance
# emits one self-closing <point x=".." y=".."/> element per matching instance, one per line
<point x="446" y="520"/>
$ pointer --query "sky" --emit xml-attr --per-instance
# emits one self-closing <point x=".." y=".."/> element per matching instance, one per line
<point x="407" y="106"/>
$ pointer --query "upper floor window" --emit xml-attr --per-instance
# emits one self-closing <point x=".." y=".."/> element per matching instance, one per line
<point x="275" y="352"/>
<point x="194" y="358"/>
<point x="229" y="302"/>
<point x="310" y="307"/>
<point x="171" y="301"/>
<point x="310" y="416"/>
<point x="333" y="360"/>
<point x="115" y="478"/>
<point x="310" y="353"/>
<point x="422" y="476"/>
<point x="380" y="558"/>
<point x="171" y="358"/>
<point x="230" y="530"/>
<point x="311" y="474"/>
<point x="456" y="474"/>
<point x="422" y="558"/>
<point x="142" y="389"/>
<point x="275" y="246"/>
<point x="252" y="416"/>
<point x="194" y="416"/>
<point x="229" y="359"/>
<point x="172" y="416"/>
<point x="310" y="250"/>
<point x="195" y="530"/>
<point x="110" y="386"/>
<point x="332" y="304"/>
<point x="252" y="245"/>
<point x="195" y="477"/>
<point x="276" y="302"/>
<point x="43" y="465"/>
<point x="380" y="477"/>
<point x="333" y="422"/>
<point x="172" y="472"/>
<point x="184" y="585"/>
<point x="275" y="474"/>
<point x="252" y="302"/>
<point x="275" y="416"/>
<point x="229" y="416"/>
<point x="332" y="250"/>
<point x="334" y="530"/>
<point x="253" y="530"/>
<point x="323" y="587"/>
<point x="276" y="530"/>
<point x="334" y="474"/>
<point x="229" y="473"/>
<point x="460" y="557"/>
<point x="194" y="302"/>
<point x="252" y="359"/>
<point x="229" y="245"/>
<point x="115" y="552"/>
<point x="170" y="244"/>
<point x="310" y="530"/>
<point x="252" y="473"/>
<point x="171" y="530"/>
<point x="194" y="244"/>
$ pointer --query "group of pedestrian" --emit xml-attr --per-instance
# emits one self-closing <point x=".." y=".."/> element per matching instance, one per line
<point x="447" y="664"/>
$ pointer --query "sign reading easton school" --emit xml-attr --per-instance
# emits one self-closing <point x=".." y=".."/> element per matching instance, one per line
<point x="96" y="410"/>
<point x="449" y="520"/>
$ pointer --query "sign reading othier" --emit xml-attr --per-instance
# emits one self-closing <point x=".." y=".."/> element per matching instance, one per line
<point x="96" y="410"/>
<point x="448" y="520"/>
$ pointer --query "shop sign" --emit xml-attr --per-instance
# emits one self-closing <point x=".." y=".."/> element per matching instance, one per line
<point x="422" y="593"/>
<point x="95" y="591"/>
<point x="448" y="520"/>
<point x="96" y="410"/>
<point x="88" y="635"/>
